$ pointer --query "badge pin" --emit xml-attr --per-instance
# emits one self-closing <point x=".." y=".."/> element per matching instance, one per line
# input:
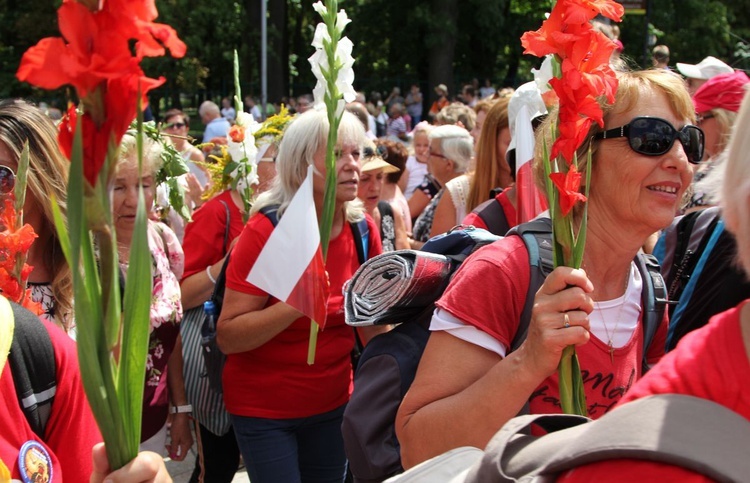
<point x="34" y="463"/>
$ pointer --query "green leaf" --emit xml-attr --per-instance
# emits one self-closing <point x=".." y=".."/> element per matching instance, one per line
<point x="19" y="189"/>
<point x="136" y="323"/>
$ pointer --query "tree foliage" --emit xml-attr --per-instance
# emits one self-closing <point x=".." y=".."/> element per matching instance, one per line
<point x="396" y="43"/>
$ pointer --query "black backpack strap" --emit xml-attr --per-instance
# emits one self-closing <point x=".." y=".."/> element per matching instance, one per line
<point x="361" y="233"/>
<point x="32" y="363"/>
<point x="272" y="213"/>
<point x="537" y="236"/>
<point x="492" y="214"/>
<point x="653" y="300"/>
<point x="226" y="226"/>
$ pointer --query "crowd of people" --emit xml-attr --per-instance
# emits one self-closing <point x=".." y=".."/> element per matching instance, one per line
<point x="406" y="171"/>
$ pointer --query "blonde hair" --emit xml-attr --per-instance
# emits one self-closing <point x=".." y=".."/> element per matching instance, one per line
<point x="302" y="138"/>
<point x="735" y="199"/>
<point x="725" y="119"/>
<point x="629" y="89"/>
<point x="487" y="163"/>
<point x="47" y="180"/>
<point x="457" y="112"/>
<point x="128" y="155"/>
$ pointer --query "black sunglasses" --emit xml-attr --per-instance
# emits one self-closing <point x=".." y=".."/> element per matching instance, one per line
<point x="178" y="125"/>
<point x="7" y="180"/>
<point x="653" y="136"/>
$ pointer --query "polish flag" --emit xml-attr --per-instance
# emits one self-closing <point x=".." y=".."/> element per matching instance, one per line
<point x="530" y="200"/>
<point x="290" y="266"/>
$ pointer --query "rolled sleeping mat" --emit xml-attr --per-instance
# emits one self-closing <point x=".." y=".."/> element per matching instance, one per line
<point x="394" y="287"/>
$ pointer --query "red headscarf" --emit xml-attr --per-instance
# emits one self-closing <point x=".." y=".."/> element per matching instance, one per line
<point x="724" y="91"/>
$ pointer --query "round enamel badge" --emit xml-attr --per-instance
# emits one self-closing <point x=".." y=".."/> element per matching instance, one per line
<point x="34" y="463"/>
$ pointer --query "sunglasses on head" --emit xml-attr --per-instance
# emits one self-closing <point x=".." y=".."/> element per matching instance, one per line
<point x="7" y="180"/>
<point x="379" y="151"/>
<point x="652" y="136"/>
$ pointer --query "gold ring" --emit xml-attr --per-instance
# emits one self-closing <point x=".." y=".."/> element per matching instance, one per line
<point x="567" y="321"/>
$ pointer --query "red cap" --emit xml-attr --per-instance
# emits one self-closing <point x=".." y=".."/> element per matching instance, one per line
<point x="724" y="91"/>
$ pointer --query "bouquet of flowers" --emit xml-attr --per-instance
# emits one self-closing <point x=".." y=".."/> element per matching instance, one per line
<point x="579" y="57"/>
<point x="99" y="54"/>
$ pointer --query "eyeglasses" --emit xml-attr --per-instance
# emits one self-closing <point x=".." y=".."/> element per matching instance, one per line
<point x="652" y="136"/>
<point x="436" y="155"/>
<point x="7" y="180"/>
<point x="175" y="125"/>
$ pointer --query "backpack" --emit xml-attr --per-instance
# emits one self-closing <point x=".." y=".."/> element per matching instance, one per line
<point x="492" y="214"/>
<point x="697" y="259"/>
<point x="212" y="355"/>
<point x="389" y="362"/>
<point x="32" y="363"/>
<point x="662" y="428"/>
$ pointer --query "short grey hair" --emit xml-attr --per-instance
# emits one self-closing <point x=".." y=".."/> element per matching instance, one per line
<point x="456" y="144"/>
<point x="209" y="107"/>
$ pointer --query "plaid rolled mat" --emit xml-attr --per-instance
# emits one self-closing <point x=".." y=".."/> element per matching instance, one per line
<point x="395" y="287"/>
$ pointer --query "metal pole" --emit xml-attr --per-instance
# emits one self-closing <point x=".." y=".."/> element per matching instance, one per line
<point x="263" y="58"/>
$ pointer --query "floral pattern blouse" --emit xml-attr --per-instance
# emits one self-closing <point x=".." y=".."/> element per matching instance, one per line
<point x="167" y="265"/>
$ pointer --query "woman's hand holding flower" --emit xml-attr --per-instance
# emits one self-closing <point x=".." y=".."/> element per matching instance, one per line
<point x="565" y="291"/>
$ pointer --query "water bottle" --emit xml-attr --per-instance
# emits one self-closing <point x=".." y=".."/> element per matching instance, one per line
<point x="209" y="308"/>
<point x="212" y="356"/>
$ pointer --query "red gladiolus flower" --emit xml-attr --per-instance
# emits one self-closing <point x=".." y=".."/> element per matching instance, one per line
<point x="567" y="186"/>
<point x="94" y="56"/>
<point x="581" y="11"/>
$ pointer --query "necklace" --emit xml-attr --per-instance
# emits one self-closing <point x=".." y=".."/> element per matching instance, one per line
<point x="611" y="335"/>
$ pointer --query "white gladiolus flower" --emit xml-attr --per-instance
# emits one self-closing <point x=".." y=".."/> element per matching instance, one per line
<point x="320" y="8"/>
<point x="344" y="61"/>
<point x="321" y="34"/>
<point x="342" y="21"/>
<point x="544" y="74"/>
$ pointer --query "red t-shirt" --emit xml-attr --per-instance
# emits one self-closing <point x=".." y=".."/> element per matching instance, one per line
<point x="489" y="292"/>
<point x="71" y="429"/>
<point x="508" y="209"/>
<point x="274" y="380"/>
<point x="204" y="236"/>
<point x="710" y="363"/>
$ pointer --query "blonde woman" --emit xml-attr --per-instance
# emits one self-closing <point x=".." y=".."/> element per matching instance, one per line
<point x="51" y="280"/>
<point x="287" y="414"/>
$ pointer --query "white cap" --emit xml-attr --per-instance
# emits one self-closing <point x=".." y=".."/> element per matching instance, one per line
<point x="705" y="69"/>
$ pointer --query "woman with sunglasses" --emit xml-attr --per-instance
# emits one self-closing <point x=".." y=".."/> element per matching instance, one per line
<point x="468" y="384"/>
<point x="51" y="280"/>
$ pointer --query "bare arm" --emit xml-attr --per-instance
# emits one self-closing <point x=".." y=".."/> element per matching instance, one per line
<point x="445" y="215"/>
<point x="246" y="323"/>
<point x="197" y="288"/>
<point x="181" y="438"/>
<point x="417" y="203"/>
<point x="402" y="239"/>
<point x="463" y="393"/>
<point x="403" y="180"/>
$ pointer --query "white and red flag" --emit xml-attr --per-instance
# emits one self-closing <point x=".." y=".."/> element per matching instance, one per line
<point x="290" y="266"/>
<point x="525" y="105"/>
